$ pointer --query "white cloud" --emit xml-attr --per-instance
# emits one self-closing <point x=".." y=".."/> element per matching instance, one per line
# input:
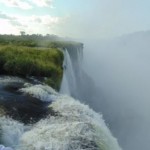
<point x="45" y="20"/>
<point x="9" y="19"/>
<point x="44" y="24"/>
<point x="48" y="20"/>
<point x="27" y="4"/>
<point x="16" y="3"/>
<point x="4" y="16"/>
<point x="7" y="27"/>
<point x="43" y="3"/>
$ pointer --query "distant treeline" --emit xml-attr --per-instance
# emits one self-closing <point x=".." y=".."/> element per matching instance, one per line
<point x="36" y="40"/>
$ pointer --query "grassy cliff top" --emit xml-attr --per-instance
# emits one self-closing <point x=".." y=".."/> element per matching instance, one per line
<point x="34" y="55"/>
<point x="38" y="62"/>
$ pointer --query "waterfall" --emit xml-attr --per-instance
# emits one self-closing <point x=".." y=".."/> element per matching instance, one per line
<point x="79" y="64"/>
<point x="69" y="125"/>
<point x="76" y="81"/>
<point x="73" y="74"/>
<point x="68" y="85"/>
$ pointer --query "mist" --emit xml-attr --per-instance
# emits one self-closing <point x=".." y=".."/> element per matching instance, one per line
<point x="103" y="19"/>
<point x="120" y="70"/>
<point x="119" y="65"/>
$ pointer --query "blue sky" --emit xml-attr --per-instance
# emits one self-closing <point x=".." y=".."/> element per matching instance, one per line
<point x="75" y="18"/>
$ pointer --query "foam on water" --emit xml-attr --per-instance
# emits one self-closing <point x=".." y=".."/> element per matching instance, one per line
<point x="42" y="92"/>
<point x="2" y="147"/>
<point x="10" y="79"/>
<point x="77" y="127"/>
<point x="11" y="131"/>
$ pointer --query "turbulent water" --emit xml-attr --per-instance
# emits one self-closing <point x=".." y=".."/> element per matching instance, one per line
<point x="74" y="127"/>
<point x="33" y="116"/>
<point x="66" y="123"/>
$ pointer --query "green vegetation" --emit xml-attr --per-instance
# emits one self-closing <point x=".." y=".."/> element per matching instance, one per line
<point x="38" y="62"/>
<point x="35" y="55"/>
<point x="34" y="40"/>
<point x="66" y="44"/>
<point x="37" y="40"/>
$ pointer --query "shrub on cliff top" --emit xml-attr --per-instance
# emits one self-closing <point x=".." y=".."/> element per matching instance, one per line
<point x="39" y="62"/>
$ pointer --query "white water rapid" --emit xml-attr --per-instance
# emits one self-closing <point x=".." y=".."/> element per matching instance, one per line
<point x="75" y="126"/>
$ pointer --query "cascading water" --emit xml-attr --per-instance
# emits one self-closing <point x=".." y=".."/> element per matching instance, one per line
<point x="80" y="85"/>
<point x="78" y="66"/>
<point x="73" y="76"/>
<point x="72" y="126"/>
<point x="68" y="85"/>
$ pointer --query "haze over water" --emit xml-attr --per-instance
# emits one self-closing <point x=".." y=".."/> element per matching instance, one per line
<point x="120" y="68"/>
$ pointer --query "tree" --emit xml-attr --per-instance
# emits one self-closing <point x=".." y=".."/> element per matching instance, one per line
<point x="22" y="33"/>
